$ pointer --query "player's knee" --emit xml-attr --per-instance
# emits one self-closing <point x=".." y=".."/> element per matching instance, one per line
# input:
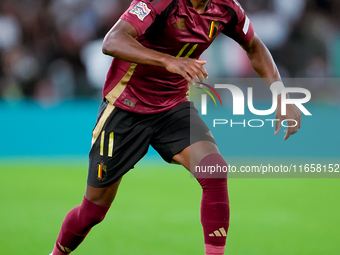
<point x="92" y="213"/>
<point x="212" y="166"/>
<point x="92" y="219"/>
<point x="213" y="183"/>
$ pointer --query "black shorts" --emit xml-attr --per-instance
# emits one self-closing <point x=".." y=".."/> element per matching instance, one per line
<point x="121" y="138"/>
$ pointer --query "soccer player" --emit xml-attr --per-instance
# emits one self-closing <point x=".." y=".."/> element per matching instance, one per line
<point x="156" y="45"/>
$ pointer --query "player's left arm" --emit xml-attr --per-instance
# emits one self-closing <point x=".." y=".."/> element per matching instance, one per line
<point x="263" y="63"/>
<point x="261" y="60"/>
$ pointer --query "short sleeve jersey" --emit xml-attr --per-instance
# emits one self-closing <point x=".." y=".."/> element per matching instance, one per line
<point x="172" y="27"/>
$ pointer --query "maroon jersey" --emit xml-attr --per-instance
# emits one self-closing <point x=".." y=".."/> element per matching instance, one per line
<point x="172" y="27"/>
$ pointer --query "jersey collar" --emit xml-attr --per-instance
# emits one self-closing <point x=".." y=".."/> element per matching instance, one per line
<point x="206" y="8"/>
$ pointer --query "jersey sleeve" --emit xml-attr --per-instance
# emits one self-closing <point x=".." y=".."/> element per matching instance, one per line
<point x="240" y="28"/>
<point x="142" y="13"/>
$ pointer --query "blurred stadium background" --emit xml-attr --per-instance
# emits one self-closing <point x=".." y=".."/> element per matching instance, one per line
<point x="51" y="75"/>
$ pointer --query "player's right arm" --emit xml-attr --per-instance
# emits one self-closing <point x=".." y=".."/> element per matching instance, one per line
<point x="120" y="43"/>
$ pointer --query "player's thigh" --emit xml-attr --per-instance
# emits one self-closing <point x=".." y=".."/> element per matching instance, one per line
<point x="117" y="145"/>
<point x="184" y="136"/>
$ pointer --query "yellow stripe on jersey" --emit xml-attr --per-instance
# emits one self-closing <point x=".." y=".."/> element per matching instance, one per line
<point x="181" y="51"/>
<point x="191" y="51"/>
<point x="121" y="85"/>
<point x="112" y="97"/>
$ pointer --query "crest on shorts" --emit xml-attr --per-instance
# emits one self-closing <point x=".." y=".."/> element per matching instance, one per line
<point x="101" y="171"/>
<point x="141" y="10"/>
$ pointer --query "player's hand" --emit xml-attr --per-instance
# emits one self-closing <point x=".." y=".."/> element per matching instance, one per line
<point x="187" y="67"/>
<point x="292" y="113"/>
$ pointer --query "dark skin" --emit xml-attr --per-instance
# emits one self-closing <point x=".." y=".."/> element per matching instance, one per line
<point x="260" y="58"/>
